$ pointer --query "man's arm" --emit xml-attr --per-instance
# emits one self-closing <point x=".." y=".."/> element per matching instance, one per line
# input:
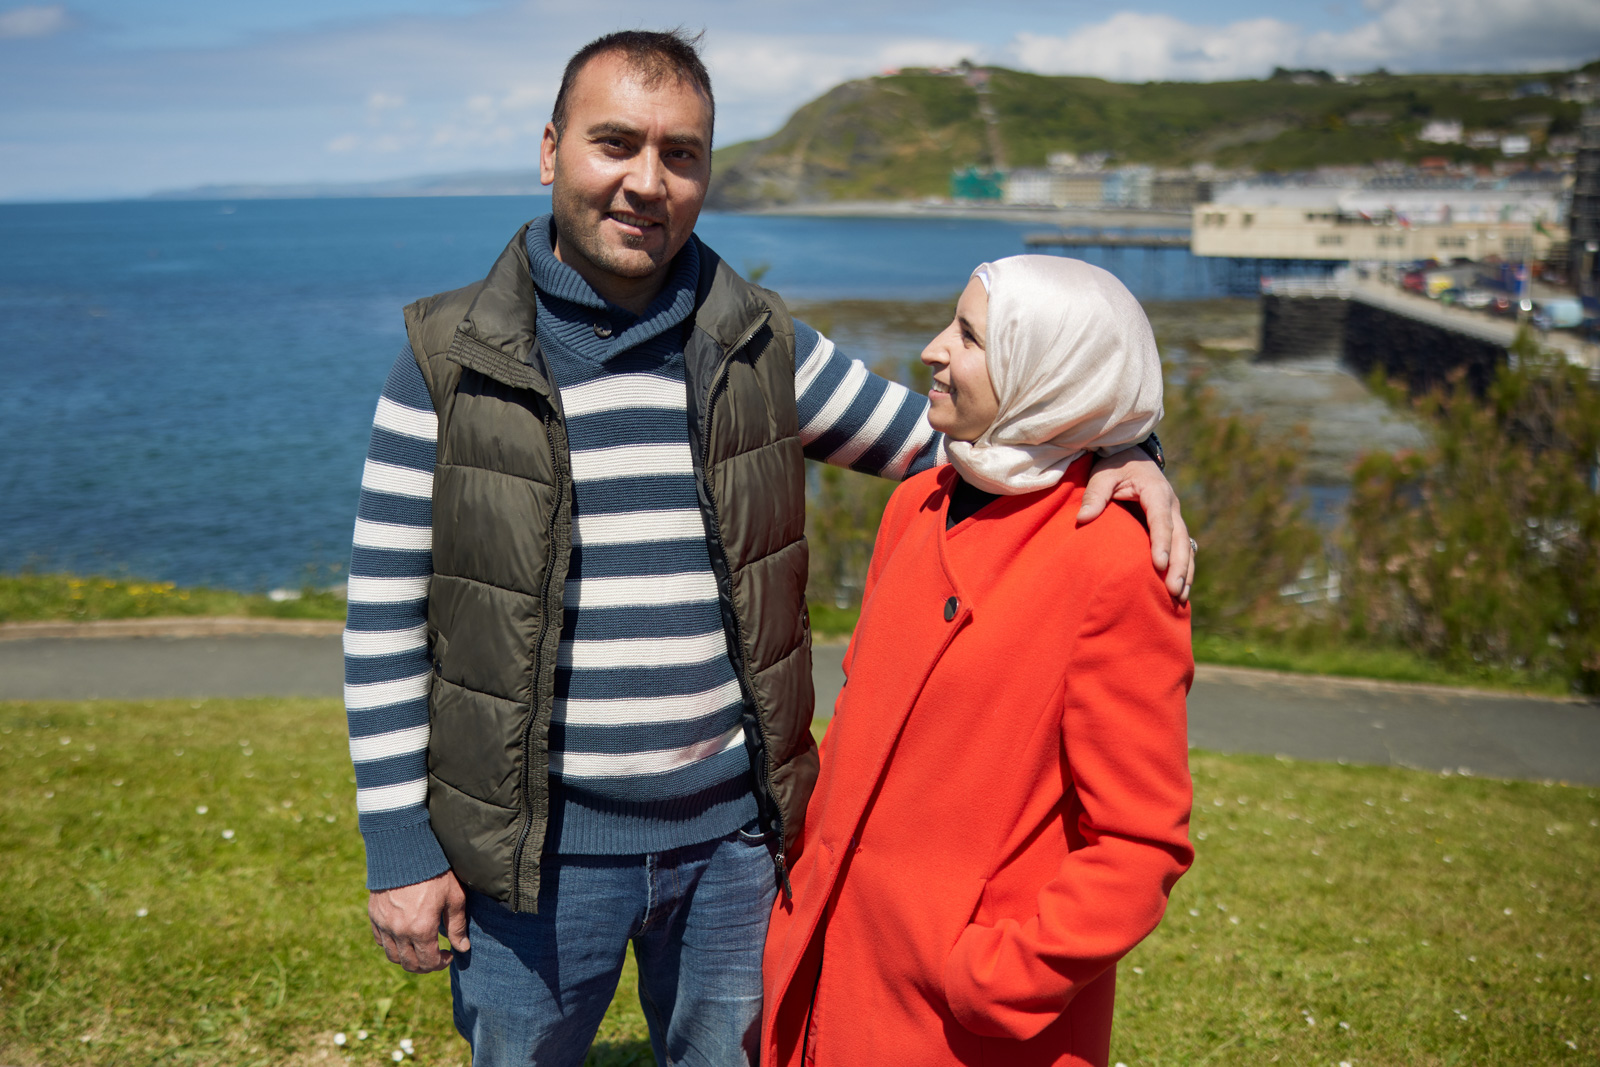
<point x="1132" y="475"/>
<point x="850" y="417"/>
<point x="414" y="897"/>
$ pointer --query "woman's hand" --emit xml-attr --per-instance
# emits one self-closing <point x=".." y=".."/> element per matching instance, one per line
<point x="1132" y="475"/>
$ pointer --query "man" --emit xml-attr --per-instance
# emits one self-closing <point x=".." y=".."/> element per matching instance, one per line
<point x="578" y="659"/>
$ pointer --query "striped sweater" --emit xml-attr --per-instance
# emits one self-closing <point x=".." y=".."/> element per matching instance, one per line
<point x="646" y="748"/>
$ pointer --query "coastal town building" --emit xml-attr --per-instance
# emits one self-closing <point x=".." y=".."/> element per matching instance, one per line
<point x="1442" y="131"/>
<point x="1178" y="190"/>
<point x="1056" y="187"/>
<point x="1128" y="187"/>
<point x="1073" y="182"/>
<point x="1584" y="254"/>
<point x="977" y="184"/>
<point x="1379" y="224"/>
<point x="1029" y="186"/>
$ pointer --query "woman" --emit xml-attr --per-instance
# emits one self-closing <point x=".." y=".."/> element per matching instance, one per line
<point x="1004" y="797"/>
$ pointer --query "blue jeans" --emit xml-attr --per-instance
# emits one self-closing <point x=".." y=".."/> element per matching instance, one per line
<point x="534" y="988"/>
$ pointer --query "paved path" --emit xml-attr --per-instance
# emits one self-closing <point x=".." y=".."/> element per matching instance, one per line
<point x="1230" y="709"/>
<point x="1314" y="718"/>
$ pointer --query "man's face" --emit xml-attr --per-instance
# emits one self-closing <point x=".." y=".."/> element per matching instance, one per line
<point x="630" y="173"/>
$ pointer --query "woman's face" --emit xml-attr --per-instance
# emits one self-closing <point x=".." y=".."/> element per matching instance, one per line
<point x="962" y="403"/>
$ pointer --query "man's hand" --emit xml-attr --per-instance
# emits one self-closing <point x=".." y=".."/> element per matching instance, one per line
<point x="1132" y="475"/>
<point x="407" y="922"/>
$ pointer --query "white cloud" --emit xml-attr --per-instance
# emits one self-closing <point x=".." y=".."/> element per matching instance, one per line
<point x="1134" y="47"/>
<point x="38" y="20"/>
<point x="748" y="65"/>
<point x="1402" y="35"/>
<point x="927" y="52"/>
<point x="760" y="79"/>
<point x="1465" y="34"/>
<point x="514" y="115"/>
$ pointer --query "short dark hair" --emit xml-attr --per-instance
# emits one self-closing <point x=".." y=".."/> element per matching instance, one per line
<point x="653" y="54"/>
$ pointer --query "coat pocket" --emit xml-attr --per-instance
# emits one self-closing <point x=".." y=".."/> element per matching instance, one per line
<point x="979" y="912"/>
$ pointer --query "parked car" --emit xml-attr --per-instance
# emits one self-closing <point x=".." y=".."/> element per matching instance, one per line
<point x="1476" y="299"/>
<point x="1562" y="312"/>
<point x="1503" y="304"/>
<point x="1438" y="282"/>
<point x="1413" y="281"/>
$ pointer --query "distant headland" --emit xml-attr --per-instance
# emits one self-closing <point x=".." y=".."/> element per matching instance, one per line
<point x="466" y="183"/>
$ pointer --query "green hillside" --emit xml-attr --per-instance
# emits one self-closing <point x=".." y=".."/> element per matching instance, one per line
<point x="899" y="136"/>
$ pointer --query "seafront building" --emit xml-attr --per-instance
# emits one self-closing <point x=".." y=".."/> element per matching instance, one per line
<point x="1585" y="219"/>
<point x="1383" y="222"/>
<point x="1073" y="183"/>
<point x="1071" y="186"/>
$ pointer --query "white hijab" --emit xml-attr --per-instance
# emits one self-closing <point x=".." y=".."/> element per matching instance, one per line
<point x="1074" y="367"/>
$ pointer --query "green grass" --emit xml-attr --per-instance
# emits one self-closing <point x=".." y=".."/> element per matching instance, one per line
<point x="1320" y="654"/>
<point x="833" y="623"/>
<point x="79" y="598"/>
<point x="1372" y="916"/>
<point x="1385" y="899"/>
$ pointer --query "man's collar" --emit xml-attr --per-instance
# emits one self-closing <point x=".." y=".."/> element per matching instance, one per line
<point x="554" y="278"/>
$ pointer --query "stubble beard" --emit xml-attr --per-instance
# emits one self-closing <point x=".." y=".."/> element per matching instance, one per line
<point x="577" y="229"/>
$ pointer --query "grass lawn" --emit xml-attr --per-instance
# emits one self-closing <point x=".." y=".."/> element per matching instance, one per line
<point x="183" y="885"/>
<point x="1328" y="654"/>
<point x="80" y="598"/>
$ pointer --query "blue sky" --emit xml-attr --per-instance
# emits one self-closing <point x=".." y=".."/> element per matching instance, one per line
<point x="105" y="98"/>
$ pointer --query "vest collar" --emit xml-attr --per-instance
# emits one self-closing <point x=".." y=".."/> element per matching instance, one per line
<point x="497" y="336"/>
<point x="741" y="303"/>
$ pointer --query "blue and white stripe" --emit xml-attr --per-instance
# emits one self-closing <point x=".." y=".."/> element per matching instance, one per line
<point x="387" y="668"/>
<point x="648" y="705"/>
<point x="647" y="710"/>
<point x="850" y="417"/>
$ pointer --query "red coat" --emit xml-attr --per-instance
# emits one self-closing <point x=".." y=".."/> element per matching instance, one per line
<point x="1004" y="799"/>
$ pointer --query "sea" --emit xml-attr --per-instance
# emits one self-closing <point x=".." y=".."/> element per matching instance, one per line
<point x="186" y="388"/>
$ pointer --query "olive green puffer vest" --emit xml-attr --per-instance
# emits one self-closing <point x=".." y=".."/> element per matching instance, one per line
<point x="502" y="539"/>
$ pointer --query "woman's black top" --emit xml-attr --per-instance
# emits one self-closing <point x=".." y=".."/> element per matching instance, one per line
<point x="965" y="500"/>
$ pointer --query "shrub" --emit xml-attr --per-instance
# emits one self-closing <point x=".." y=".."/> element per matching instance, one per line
<point x="1241" y="500"/>
<point x="842" y="513"/>
<point x="1485" y="548"/>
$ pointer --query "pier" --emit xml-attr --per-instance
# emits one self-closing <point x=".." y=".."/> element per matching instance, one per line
<point x="1368" y="324"/>
<point x="1107" y="239"/>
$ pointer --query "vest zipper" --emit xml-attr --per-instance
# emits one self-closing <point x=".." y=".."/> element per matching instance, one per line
<point x="538" y="673"/>
<point x="781" y="859"/>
